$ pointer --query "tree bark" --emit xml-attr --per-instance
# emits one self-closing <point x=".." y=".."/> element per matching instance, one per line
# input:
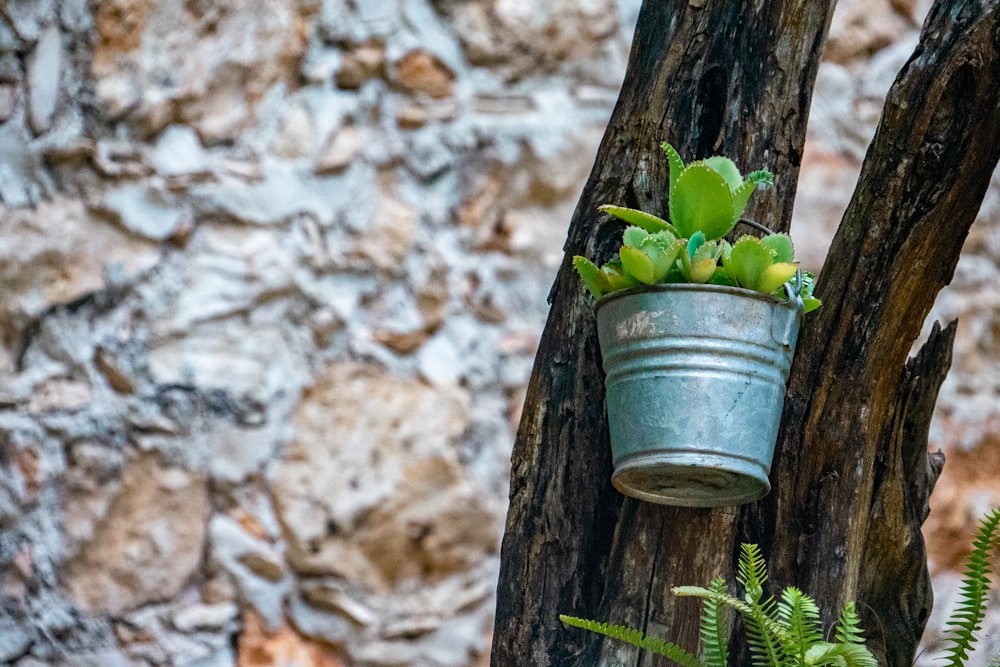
<point x="852" y="475"/>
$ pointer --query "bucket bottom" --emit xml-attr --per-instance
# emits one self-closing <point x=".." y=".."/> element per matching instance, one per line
<point x="691" y="480"/>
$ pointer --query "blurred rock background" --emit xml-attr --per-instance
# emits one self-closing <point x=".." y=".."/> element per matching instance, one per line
<point x="272" y="274"/>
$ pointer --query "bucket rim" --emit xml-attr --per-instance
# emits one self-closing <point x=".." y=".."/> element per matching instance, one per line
<point x="694" y="287"/>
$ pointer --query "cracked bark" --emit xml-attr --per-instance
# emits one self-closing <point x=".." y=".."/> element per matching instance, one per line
<point x="852" y="475"/>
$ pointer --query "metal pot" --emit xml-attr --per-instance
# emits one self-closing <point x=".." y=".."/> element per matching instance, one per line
<point x="695" y="388"/>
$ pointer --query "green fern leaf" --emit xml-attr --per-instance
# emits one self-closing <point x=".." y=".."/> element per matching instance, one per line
<point x="714" y="635"/>
<point x="751" y="572"/>
<point x="800" y="616"/>
<point x="848" y="629"/>
<point x="848" y="655"/>
<point x="759" y="617"/>
<point x="968" y="618"/>
<point x="636" y="638"/>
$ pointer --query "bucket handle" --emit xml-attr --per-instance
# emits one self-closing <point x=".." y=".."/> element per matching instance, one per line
<point x="792" y="289"/>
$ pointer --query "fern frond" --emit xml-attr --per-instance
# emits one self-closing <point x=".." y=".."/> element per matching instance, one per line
<point x="848" y="629"/>
<point x="765" y="634"/>
<point x="636" y="638"/>
<point x="800" y="616"/>
<point x="845" y="655"/>
<point x="714" y="638"/>
<point x="751" y="572"/>
<point x="968" y="618"/>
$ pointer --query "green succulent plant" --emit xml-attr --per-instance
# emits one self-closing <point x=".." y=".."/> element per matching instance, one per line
<point x="707" y="199"/>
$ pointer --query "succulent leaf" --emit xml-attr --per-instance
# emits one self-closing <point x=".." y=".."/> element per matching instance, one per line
<point x="811" y="303"/>
<point x="593" y="278"/>
<point x="662" y="250"/>
<point x="720" y="277"/>
<point x="781" y="245"/>
<point x="702" y="271"/>
<point x="616" y="276"/>
<point x="774" y="276"/>
<point x="676" y="165"/>
<point x="647" y="221"/>
<point x="747" y="261"/>
<point x="701" y="201"/>
<point x="741" y="196"/>
<point x="638" y="265"/>
<point x="696" y="241"/>
<point x="634" y="236"/>
<point x="727" y="169"/>
<point x="710" y="250"/>
<point x="761" y="177"/>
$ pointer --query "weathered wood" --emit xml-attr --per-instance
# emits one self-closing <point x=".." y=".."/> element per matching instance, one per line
<point x="842" y="515"/>
<point x="714" y="78"/>
<point x="851" y="476"/>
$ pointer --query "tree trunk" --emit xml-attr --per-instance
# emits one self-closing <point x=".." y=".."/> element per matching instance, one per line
<point x="852" y="475"/>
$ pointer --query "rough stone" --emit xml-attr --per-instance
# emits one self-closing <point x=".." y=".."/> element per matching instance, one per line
<point x="221" y="63"/>
<point x="118" y="158"/>
<point x="260" y="648"/>
<point x="13" y="640"/>
<point x="861" y="28"/>
<point x="387" y="239"/>
<point x="339" y="150"/>
<point x="61" y="253"/>
<point x="420" y="71"/>
<point x="967" y="489"/>
<point x="9" y="96"/>
<point x="75" y="15"/>
<point x="44" y="70"/>
<point x="281" y="194"/>
<point x="515" y="37"/>
<point x="331" y="596"/>
<point x="17" y="178"/>
<point x="820" y="206"/>
<point x="93" y="481"/>
<point x="297" y="136"/>
<point x="231" y="545"/>
<point x="265" y="564"/>
<point x="361" y="63"/>
<point x="322" y="625"/>
<point x="366" y="514"/>
<point x="144" y="212"/>
<point x="205" y="616"/>
<point x="60" y="394"/>
<point x="120" y="25"/>
<point x="148" y="545"/>
<point x="179" y="152"/>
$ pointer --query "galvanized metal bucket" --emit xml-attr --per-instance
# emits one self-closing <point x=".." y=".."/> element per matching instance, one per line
<point x="695" y="388"/>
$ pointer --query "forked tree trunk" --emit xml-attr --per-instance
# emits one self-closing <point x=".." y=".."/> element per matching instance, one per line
<point x="852" y="475"/>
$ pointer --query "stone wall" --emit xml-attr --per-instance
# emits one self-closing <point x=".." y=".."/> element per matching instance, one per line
<point x="272" y="274"/>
